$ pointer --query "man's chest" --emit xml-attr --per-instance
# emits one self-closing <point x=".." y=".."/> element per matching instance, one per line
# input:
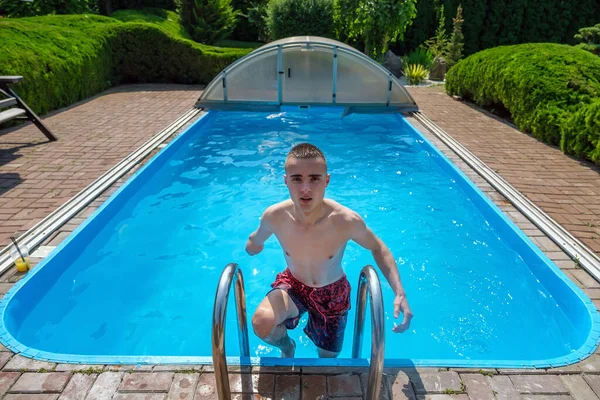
<point x="321" y="242"/>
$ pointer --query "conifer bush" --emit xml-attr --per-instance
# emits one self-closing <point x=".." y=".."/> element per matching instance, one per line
<point x="551" y="91"/>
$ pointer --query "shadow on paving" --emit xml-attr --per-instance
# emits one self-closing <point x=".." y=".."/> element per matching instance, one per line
<point x="503" y="116"/>
<point x="263" y="387"/>
<point x="399" y="383"/>
<point x="8" y="181"/>
<point x="156" y="87"/>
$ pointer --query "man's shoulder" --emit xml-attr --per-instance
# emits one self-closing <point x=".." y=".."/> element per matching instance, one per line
<point x="277" y="209"/>
<point x="343" y="214"/>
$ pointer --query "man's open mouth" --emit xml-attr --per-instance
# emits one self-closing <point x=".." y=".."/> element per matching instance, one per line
<point x="305" y="199"/>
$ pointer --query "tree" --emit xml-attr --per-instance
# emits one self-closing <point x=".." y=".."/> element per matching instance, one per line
<point x="491" y="32"/>
<point x="250" y="24"/>
<point x="439" y="44"/>
<point x="287" y="18"/>
<point x="589" y="38"/>
<point x="474" y="15"/>
<point x="257" y="19"/>
<point x="455" y="51"/>
<point x="589" y="35"/>
<point x="208" y="21"/>
<point x="422" y="27"/>
<point x="375" y="22"/>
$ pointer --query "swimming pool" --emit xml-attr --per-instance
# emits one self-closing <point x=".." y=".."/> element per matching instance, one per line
<point x="136" y="282"/>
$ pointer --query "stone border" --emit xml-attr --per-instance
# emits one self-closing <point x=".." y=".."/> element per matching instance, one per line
<point x="36" y="235"/>
<point x="27" y="378"/>
<point x="570" y="244"/>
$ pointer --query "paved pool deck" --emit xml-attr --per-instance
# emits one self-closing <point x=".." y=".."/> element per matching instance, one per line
<point x="37" y="176"/>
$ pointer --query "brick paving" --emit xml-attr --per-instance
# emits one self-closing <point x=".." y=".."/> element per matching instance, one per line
<point x="24" y="378"/>
<point x="567" y="189"/>
<point x="37" y="176"/>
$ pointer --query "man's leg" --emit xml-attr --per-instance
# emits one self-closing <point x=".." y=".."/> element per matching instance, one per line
<point x="269" y="318"/>
<point x="326" y="353"/>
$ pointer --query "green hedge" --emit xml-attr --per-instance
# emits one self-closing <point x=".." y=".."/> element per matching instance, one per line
<point x="165" y="19"/>
<point x="107" y="7"/>
<point x="142" y="53"/>
<point x="64" y="59"/>
<point x="542" y="85"/>
<point x="32" y="8"/>
<point x="494" y="23"/>
<point x="300" y="17"/>
<point x="581" y="135"/>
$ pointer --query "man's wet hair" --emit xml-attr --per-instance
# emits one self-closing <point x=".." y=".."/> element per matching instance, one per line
<point x="305" y="151"/>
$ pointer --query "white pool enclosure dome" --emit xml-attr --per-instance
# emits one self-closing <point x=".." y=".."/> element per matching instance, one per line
<point x="306" y="71"/>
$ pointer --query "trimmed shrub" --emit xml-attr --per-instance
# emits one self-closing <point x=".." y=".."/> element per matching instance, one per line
<point x="300" y="17"/>
<point x="64" y="59"/>
<point x="581" y="136"/>
<point x="208" y="21"/>
<point x="236" y="44"/>
<point x="143" y="53"/>
<point x="20" y="8"/>
<point x="165" y="19"/>
<point x="60" y="64"/>
<point x="541" y="84"/>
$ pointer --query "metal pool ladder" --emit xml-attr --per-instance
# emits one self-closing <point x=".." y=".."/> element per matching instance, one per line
<point x="232" y="272"/>
<point x="368" y="282"/>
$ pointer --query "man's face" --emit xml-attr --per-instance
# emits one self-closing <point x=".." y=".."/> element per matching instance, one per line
<point x="306" y="180"/>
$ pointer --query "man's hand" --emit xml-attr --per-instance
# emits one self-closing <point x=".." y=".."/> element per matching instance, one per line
<point x="253" y="248"/>
<point x="401" y="304"/>
<point x="257" y="239"/>
<point x="365" y="237"/>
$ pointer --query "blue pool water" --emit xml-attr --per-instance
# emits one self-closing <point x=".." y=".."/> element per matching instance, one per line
<point x="137" y="280"/>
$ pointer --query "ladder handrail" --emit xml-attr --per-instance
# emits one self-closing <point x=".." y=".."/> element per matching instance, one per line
<point x="369" y="282"/>
<point x="231" y="274"/>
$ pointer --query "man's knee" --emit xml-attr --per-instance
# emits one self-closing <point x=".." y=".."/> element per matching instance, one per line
<point x="263" y="323"/>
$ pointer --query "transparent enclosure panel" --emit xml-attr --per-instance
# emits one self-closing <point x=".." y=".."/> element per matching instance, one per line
<point x="254" y="79"/>
<point x="214" y="92"/>
<point x="359" y="82"/>
<point x="399" y="95"/>
<point x="308" y="75"/>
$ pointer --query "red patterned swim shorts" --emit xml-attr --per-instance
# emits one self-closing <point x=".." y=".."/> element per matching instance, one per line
<point x="327" y="308"/>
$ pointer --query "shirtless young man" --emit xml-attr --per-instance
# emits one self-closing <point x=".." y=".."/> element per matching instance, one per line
<point x="313" y="232"/>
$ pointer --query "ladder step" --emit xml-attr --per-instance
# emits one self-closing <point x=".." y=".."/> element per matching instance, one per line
<point x="10" y="114"/>
<point x="11" y="101"/>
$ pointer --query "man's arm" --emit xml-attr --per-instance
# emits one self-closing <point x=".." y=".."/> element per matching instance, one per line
<point x="258" y="238"/>
<point x="365" y="237"/>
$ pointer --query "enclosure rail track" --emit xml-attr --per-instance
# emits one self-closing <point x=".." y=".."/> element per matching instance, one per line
<point x="578" y="251"/>
<point x="37" y="234"/>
